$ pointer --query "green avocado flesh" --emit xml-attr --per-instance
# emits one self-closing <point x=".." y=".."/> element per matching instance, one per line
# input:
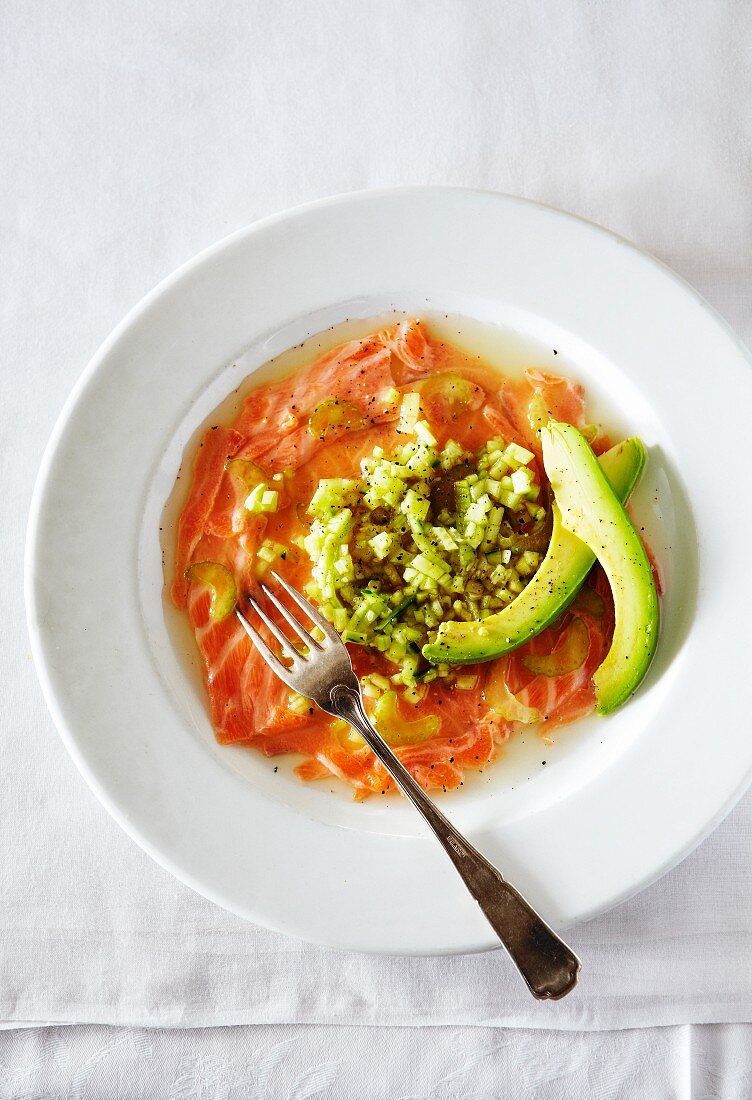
<point x="595" y="515"/>
<point x="553" y="587"/>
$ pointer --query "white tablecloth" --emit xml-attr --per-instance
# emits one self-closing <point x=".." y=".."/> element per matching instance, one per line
<point x="711" y="1062"/>
<point x="134" y="134"/>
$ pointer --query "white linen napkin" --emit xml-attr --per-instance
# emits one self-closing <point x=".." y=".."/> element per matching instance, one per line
<point x="138" y="136"/>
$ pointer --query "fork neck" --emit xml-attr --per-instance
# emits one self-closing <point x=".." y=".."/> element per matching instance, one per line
<point x="348" y="704"/>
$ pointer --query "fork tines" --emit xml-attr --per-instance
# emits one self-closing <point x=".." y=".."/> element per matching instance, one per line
<point x="290" y="651"/>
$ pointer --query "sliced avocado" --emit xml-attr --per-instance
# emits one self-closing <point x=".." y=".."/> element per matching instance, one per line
<point x="592" y="511"/>
<point x="553" y="587"/>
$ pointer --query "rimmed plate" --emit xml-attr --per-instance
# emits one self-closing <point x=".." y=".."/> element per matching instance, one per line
<point x="619" y="801"/>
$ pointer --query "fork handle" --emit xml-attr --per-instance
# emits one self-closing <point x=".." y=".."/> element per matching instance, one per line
<point x="549" y="967"/>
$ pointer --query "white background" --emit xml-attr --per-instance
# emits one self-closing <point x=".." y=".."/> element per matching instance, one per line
<point x="133" y="135"/>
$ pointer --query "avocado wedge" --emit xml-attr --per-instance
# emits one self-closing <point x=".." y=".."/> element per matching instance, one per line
<point x="553" y="587"/>
<point x="593" y="513"/>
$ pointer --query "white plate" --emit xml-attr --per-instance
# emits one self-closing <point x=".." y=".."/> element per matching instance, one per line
<point x="621" y="799"/>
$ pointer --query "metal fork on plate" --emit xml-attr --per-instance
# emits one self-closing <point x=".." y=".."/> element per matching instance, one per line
<point x="323" y="673"/>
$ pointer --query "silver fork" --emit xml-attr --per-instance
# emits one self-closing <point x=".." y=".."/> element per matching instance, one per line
<point x="324" y="674"/>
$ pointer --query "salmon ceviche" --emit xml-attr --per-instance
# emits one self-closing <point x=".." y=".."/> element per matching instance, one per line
<point x="401" y="485"/>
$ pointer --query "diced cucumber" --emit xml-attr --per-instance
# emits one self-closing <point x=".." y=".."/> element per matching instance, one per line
<point x="262" y="499"/>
